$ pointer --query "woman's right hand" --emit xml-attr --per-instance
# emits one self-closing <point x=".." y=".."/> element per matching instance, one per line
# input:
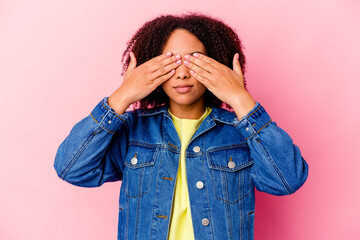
<point x="142" y="80"/>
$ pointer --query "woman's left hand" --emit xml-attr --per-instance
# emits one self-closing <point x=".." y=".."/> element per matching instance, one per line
<point x="225" y="83"/>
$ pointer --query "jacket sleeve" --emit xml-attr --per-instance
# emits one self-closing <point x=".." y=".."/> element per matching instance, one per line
<point x="279" y="169"/>
<point x="91" y="154"/>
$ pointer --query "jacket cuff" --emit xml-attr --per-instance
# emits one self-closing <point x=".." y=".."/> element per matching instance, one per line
<point x="253" y="122"/>
<point x="106" y="117"/>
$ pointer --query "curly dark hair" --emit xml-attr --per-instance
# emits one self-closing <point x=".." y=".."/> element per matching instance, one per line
<point x="221" y="43"/>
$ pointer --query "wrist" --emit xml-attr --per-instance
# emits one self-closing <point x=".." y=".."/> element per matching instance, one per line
<point x="243" y="104"/>
<point x="118" y="103"/>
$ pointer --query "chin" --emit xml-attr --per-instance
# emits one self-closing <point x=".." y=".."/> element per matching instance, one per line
<point x="185" y="102"/>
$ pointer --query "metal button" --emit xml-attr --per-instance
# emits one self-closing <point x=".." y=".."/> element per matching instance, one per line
<point x="134" y="161"/>
<point x="199" y="184"/>
<point x="109" y="121"/>
<point x="231" y="164"/>
<point x="196" y="149"/>
<point x="247" y="129"/>
<point x="205" y="221"/>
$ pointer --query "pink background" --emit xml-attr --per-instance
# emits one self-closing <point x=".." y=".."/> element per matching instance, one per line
<point x="58" y="59"/>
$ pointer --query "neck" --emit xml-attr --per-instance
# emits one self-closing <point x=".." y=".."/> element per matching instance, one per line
<point x="194" y="111"/>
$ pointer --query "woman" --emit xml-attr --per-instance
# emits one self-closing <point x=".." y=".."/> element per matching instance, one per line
<point x="192" y="152"/>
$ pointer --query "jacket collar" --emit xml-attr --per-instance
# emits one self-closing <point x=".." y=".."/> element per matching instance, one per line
<point x="217" y="114"/>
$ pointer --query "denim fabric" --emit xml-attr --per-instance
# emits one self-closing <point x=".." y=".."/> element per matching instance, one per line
<point x="142" y="148"/>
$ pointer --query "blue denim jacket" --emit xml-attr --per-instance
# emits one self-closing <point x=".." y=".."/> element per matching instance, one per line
<point x="228" y="156"/>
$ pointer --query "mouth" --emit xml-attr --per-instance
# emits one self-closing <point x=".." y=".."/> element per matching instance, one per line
<point x="183" y="88"/>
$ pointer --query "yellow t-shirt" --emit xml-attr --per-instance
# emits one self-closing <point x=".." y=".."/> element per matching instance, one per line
<point x="180" y="223"/>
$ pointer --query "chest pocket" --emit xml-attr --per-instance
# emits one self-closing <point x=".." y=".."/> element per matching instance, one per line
<point x="139" y="164"/>
<point x="230" y="173"/>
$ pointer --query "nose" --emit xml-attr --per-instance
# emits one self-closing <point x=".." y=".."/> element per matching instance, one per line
<point x="182" y="72"/>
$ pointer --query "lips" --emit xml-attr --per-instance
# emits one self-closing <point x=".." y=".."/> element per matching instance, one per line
<point x="183" y="88"/>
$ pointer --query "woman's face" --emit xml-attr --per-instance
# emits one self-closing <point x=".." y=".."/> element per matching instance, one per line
<point x="182" y="88"/>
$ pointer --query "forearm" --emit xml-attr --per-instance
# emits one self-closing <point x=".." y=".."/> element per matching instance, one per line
<point x="85" y="157"/>
<point x="279" y="168"/>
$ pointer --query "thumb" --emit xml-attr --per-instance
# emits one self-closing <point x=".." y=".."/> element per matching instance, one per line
<point x="132" y="63"/>
<point x="236" y="64"/>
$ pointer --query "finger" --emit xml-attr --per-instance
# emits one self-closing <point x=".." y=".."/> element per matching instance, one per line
<point x="132" y="63"/>
<point x="206" y="65"/>
<point x="165" y="69"/>
<point x="236" y="64"/>
<point x="199" y="70"/>
<point x="164" y="62"/>
<point x="199" y="56"/>
<point x="160" y="80"/>
<point x="201" y="79"/>
<point x="158" y="58"/>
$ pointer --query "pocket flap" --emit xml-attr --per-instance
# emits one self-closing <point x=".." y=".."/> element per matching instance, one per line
<point x="140" y="156"/>
<point x="230" y="159"/>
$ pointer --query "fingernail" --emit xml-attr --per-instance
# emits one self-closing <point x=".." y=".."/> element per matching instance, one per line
<point x="195" y="54"/>
<point x="186" y="62"/>
<point x="187" y="57"/>
<point x="177" y="56"/>
<point x="192" y="72"/>
<point x="168" y="54"/>
<point x="178" y="62"/>
<point x="237" y="56"/>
